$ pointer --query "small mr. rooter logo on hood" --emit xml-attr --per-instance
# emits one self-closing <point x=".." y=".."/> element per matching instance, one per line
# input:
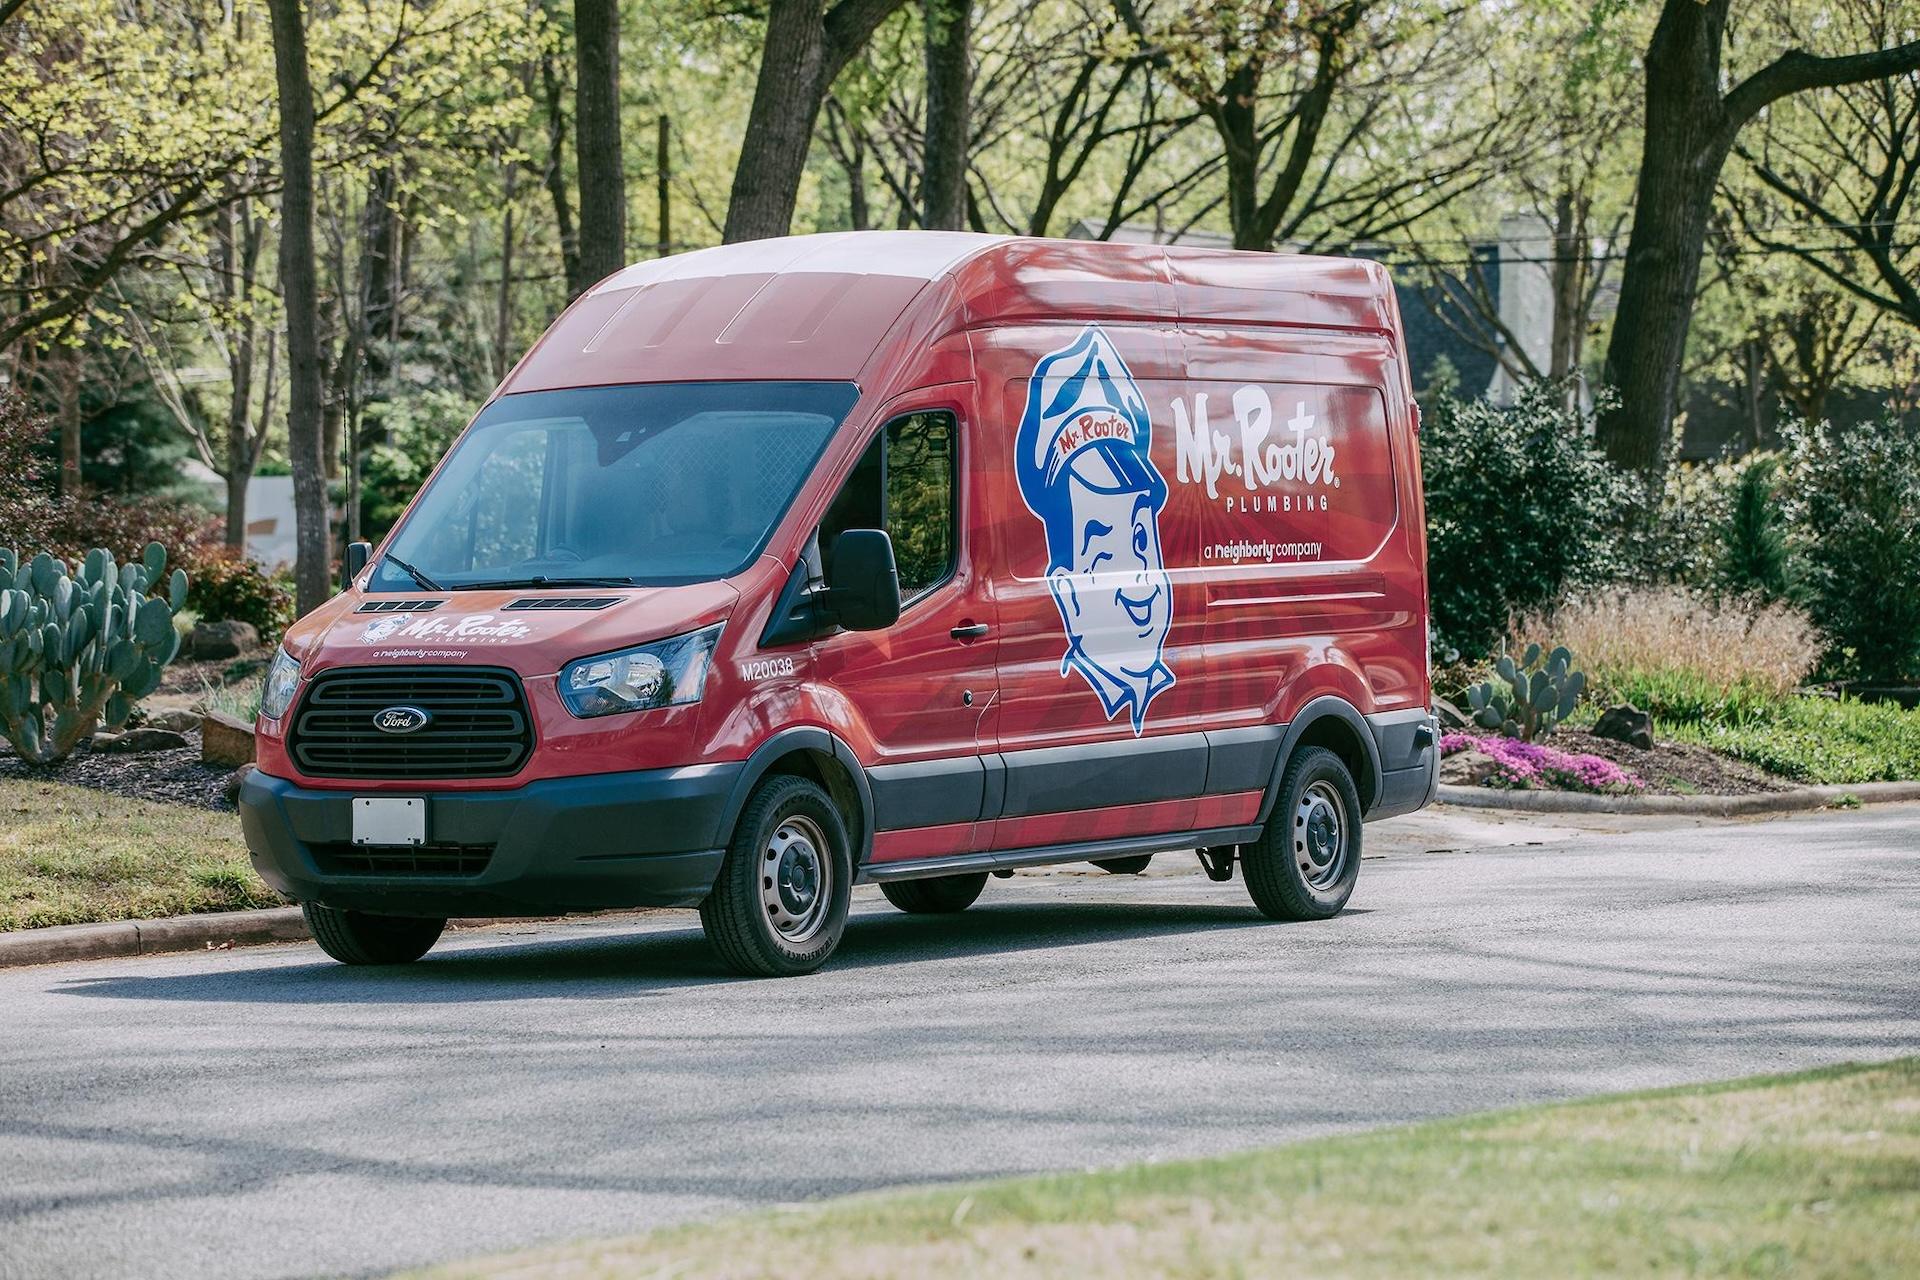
<point x="471" y="628"/>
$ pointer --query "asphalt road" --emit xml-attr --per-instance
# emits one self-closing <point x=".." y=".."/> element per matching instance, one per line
<point x="266" y="1113"/>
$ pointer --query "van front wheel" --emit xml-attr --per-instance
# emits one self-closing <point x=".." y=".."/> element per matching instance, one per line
<point x="780" y="903"/>
<point x="1304" y="864"/>
<point x="354" y="937"/>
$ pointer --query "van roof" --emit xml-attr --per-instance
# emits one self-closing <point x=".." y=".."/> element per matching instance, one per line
<point x="821" y="306"/>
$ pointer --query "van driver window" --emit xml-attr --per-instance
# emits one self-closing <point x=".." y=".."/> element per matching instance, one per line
<point x="904" y="483"/>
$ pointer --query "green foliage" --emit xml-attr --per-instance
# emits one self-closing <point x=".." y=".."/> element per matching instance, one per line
<point x="1806" y="737"/>
<point x="1519" y="506"/>
<point x="1854" y="501"/>
<point x="1526" y="699"/>
<point x="81" y="649"/>
<point x="1753" y="556"/>
<point x="230" y="587"/>
<point x="413" y="434"/>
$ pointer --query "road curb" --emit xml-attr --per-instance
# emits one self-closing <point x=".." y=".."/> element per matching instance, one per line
<point x="120" y="938"/>
<point x="1798" y="800"/>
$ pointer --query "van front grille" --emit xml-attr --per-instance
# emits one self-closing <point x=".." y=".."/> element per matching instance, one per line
<point x="386" y="860"/>
<point x="476" y="724"/>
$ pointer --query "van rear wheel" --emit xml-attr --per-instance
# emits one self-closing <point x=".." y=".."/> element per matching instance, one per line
<point x="936" y="895"/>
<point x="780" y="903"/>
<point x="1305" y="863"/>
<point x="355" y="937"/>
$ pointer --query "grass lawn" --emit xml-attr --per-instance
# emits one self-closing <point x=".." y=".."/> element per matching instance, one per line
<point x="69" y="855"/>
<point x="1810" y="739"/>
<point x="1807" y="1175"/>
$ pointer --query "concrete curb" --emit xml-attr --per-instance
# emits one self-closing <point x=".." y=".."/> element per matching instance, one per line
<point x="149" y="937"/>
<point x="1798" y="800"/>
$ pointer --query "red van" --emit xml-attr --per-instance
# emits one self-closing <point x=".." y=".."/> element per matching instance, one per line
<point x="902" y="557"/>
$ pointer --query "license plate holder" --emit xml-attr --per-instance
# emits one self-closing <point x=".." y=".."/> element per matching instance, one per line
<point x="390" y="820"/>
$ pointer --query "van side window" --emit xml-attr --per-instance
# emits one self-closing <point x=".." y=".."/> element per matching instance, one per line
<point x="904" y="483"/>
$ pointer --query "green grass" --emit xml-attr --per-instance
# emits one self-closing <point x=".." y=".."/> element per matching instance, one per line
<point x="69" y="855"/>
<point x="1810" y="739"/>
<point x="1812" y="1175"/>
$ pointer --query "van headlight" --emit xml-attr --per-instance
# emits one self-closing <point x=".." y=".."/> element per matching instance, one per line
<point x="283" y="680"/>
<point x="666" y="673"/>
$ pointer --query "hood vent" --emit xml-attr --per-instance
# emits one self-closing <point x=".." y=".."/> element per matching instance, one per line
<point x="565" y="602"/>
<point x="399" y="606"/>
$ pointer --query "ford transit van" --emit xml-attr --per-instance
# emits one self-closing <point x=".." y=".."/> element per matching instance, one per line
<point x="891" y="557"/>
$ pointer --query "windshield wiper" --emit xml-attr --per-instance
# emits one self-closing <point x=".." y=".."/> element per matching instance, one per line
<point x="426" y="583"/>
<point x="539" y="580"/>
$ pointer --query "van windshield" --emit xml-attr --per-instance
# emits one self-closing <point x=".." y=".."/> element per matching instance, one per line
<point x="653" y="484"/>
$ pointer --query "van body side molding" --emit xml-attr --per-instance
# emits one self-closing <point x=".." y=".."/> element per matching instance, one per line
<point x="1172" y="841"/>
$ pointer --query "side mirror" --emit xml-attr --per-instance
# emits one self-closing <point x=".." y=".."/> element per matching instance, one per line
<point x="863" y="585"/>
<point x="358" y="553"/>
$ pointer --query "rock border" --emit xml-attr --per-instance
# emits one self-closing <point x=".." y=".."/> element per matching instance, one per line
<point x="1797" y="800"/>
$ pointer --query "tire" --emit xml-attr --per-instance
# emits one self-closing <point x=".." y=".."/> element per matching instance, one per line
<point x="1125" y="866"/>
<point x="1305" y="863"/>
<point x="355" y="937"/>
<point x="936" y="896"/>
<point x="779" y="905"/>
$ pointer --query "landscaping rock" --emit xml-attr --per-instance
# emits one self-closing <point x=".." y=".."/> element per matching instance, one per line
<point x="1467" y="768"/>
<point x="145" y="739"/>
<point x="222" y="639"/>
<point x="225" y="740"/>
<point x="1626" y="723"/>
<point x="176" y="720"/>
<point x="1451" y="717"/>
<point x="234" y="780"/>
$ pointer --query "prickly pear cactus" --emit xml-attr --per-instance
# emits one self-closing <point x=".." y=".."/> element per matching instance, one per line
<point x="1524" y="699"/>
<point x="79" y="648"/>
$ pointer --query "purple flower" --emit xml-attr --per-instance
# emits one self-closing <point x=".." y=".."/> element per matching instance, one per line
<point x="1525" y="765"/>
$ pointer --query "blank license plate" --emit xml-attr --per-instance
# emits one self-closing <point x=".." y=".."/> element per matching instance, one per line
<point x="389" y="820"/>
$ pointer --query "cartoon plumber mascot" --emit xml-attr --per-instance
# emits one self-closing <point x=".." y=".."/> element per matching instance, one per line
<point x="1085" y="471"/>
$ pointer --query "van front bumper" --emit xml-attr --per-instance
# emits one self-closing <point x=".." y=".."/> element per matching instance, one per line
<point x="651" y="838"/>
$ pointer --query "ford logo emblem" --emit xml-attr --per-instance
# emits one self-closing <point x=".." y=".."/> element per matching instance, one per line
<point x="400" y="720"/>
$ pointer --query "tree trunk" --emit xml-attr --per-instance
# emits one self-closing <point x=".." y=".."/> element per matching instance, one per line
<point x="943" y="188"/>
<point x="803" y="53"/>
<point x="67" y="372"/>
<point x="1690" y="128"/>
<point x="1680" y="161"/>
<point x="299" y="288"/>
<point x="603" y="184"/>
<point x="555" y="176"/>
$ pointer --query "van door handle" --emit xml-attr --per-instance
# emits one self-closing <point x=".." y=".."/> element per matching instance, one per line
<point x="971" y="631"/>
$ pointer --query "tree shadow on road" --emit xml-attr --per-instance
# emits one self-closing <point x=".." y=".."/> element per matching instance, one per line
<point x="597" y="964"/>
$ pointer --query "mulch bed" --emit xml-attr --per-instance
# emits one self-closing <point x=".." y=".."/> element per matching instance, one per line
<point x="173" y="777"/>
<point x="1675" y="768"/>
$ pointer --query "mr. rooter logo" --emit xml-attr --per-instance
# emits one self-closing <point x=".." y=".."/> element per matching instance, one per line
<point x="1303" y="456"/>
<point x="474" y="628"/>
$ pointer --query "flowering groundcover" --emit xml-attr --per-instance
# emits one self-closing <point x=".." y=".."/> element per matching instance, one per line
<point x="1530" y="766"/>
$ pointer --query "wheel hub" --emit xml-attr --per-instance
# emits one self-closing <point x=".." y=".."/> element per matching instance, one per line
<point x="796" y="879"/>
<point x="1320" y="835"/>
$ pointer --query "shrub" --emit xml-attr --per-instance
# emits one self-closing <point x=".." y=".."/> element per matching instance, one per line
<point x="1753" y="550"/>
<point x="1853" y="497"/>
<point x="67" y="526"/>
<point x="1519" y="506"/>
<point x="1634" y="638"/>
<point x="81" y="649"/>
<point x="230" y="587"/>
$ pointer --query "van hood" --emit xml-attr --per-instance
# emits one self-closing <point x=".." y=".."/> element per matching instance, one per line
<point x="533" y="633"/>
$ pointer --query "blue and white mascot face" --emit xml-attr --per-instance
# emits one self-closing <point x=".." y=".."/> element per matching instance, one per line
<point x="1085" y="470"/>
